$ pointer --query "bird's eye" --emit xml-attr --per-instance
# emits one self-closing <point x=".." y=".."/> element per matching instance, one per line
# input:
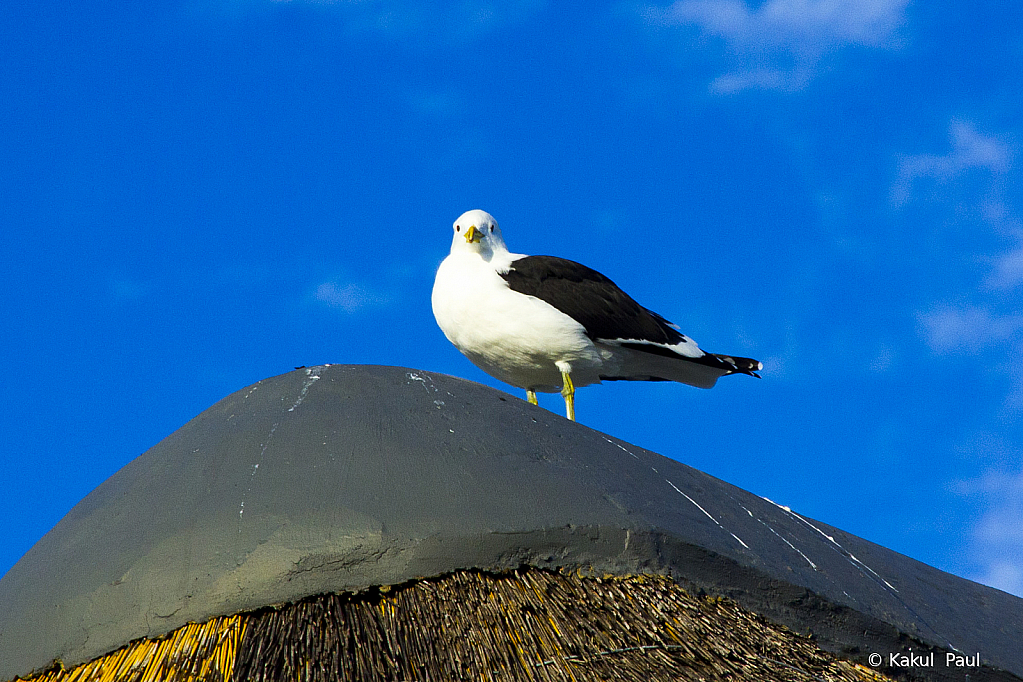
<point x="491" y="228"/>
<point x="458" y="228"/>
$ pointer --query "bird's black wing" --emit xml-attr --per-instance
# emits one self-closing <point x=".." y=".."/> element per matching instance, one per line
<point x="590" y="298"/>
<point x="606" y="312"/>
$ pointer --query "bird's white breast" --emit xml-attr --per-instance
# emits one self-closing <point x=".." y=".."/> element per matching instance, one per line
<point x="512" y="336"/>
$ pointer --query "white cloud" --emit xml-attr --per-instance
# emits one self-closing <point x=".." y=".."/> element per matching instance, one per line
<point x="970" y="150"/>
<point x="1008" y="270"/>
<point x="761" y="79"/>
<point x="997" y="538"/>
<point x="802" y="25"/>
<point x="966" y="329"/>
<point x="1004" y="575"/>
<point x="347" y="297"/>
<point x="989" y="319"/>
<point x="971" y="175"/>
<point x="779" y="43"/>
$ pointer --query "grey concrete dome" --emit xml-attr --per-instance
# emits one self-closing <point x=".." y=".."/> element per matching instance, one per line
<point x="337" y="478"/>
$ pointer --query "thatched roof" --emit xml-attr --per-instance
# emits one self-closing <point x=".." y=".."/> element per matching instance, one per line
<point x="523" y="625"/>
<point x="342" y="479"/>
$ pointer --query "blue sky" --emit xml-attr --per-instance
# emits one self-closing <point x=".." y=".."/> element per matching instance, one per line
<point x="198" y="194"/>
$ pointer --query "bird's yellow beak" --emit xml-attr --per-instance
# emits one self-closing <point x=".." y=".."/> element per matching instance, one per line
<point x="473" y="235"/>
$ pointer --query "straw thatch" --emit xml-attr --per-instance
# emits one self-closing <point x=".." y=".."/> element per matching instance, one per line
<point x="193" y="653"/>
<point x="524" y="625"/>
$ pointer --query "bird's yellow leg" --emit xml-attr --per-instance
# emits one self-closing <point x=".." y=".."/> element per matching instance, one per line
<point x="531" y="396"/>
<point x="568" y="392"/>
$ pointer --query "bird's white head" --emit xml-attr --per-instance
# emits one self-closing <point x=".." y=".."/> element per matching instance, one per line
<point x="477" y="232"/>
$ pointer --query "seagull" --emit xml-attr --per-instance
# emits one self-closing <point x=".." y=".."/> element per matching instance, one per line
<point x="549" y="324"/>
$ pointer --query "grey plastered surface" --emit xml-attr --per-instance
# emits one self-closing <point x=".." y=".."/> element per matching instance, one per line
<point x="335" y="478"/>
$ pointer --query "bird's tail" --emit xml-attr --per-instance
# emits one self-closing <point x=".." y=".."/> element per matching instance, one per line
<point x="741" y="365"/>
